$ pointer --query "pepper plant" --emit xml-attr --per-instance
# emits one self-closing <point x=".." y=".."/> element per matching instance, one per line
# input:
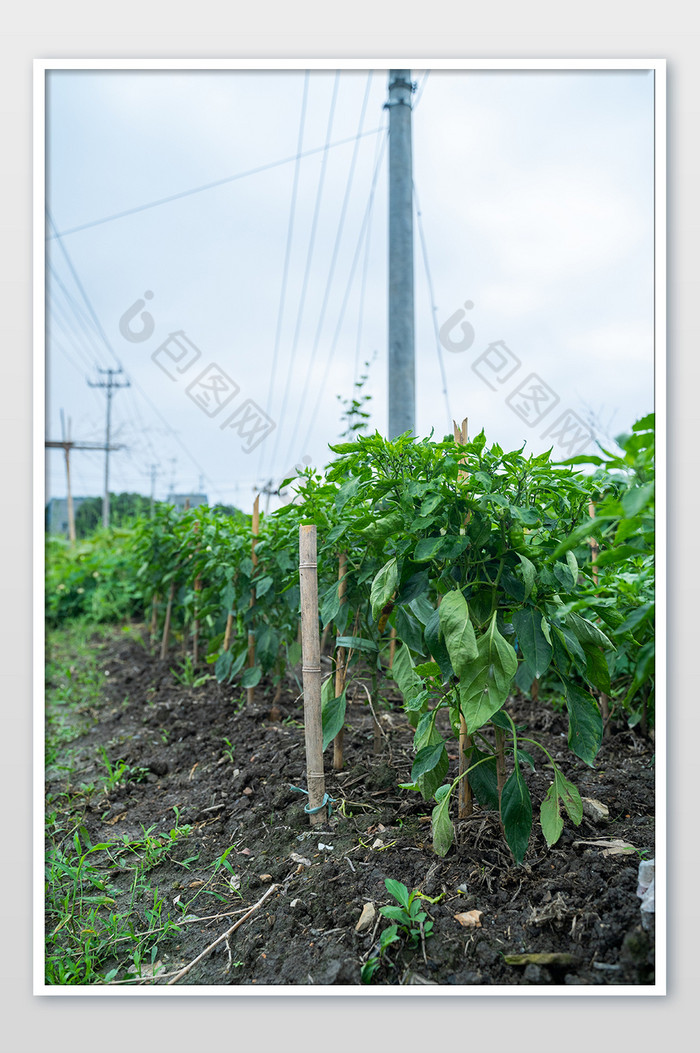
<point x="472" y="586"/>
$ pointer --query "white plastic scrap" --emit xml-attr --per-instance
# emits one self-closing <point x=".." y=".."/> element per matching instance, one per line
<point x="645" y="891"/>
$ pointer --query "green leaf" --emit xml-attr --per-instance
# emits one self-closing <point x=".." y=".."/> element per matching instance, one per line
<point x="427" y="759"/>
<point x="332" y="718"/>
<point x="597" y="672"/>
<point x="398" y="890"/>
<point x="516" y="813"/>
<point x="252" y="676"/>
<point x="458" y="632"/>
<point x="443" y="830"/>
<point x="533" y="643"/>
<point x="636" y="618"/>
<point x="573" y="565"/>
<point x="357" y="643"/>
<point x="330" y="604"/>
<point x="637" y="498"/>
<point x="427" y="735"/>
<point x="435" y="643"/>
<point x="384" y="586"/>
<point x="570" y="797"/>
<point x="484" y="690"/>
<point x="562" y="572"/>
<point x="550" y="820"/>
<point x="586" y="632"/>
<point x="427" y="548"/>
<point x="409" y="630"/>
<point x="483" y="780"/>
<point x="529" y="573"/>
<point x="585" y="722"/>
<point x="403" y="670"/>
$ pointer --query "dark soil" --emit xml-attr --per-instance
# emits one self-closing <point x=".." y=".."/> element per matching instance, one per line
<point x="573" y="900"/>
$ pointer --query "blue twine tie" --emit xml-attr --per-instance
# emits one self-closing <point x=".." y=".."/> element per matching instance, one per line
<point x="327" y="800"/>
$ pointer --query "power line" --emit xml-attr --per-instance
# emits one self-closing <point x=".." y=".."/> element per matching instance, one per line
<point x="339" y="232"/>
<point x="309" y="257"/>
<point x="111" y="350"/>
<point x="203" y="187"/>
<point x="363" y="280"/>
<point x="433" y="308"/>
<point x="287" y="254"/>
<point x="336" y="335"/>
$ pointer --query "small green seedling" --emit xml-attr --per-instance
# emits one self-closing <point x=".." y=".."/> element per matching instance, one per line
<point x="408" y="919"/>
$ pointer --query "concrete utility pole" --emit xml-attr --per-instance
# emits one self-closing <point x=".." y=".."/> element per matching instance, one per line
<point x="402" y="372"/>
<point x="109" y="385"/>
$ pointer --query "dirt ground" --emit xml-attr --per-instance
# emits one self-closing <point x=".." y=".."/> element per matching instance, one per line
<point x="229" y="770"/>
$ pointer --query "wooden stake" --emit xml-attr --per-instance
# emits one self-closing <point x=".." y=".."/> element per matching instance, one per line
<point x="166" y="628"/>
<point x="311" y="672"/>
<point x="465" y="804"/>
<point x="340" y="667"/>
<point x="392" y="646"/>
<point x="250" y="693"/>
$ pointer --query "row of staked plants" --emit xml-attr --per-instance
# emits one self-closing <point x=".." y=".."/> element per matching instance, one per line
<point x="459" y="571"/>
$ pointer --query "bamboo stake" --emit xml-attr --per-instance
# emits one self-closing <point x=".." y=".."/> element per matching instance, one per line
<point x="340" y="667"/>
<point x="311" y="672"/>
<point x="250" y="693"/>
<point x="465" y="805"/>
<point x="166" y="628"/>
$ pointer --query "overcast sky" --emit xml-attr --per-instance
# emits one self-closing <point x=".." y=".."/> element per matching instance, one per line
<point x="534" y="317"/>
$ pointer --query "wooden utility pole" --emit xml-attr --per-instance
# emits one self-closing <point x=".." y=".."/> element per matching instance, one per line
<point x="402" y="372"/>
<point x="67" y="445"/>
<point x="109" y="385"/>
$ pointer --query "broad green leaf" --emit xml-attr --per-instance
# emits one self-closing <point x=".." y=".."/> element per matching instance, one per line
<point x="403" y="671"/>
<point x="458" y="632"/>
<point x="427" y="548"/>
<point x="435" y="643"/>
<point x="333" y="718"/>
<point x="427" y="759"/>
<point x="637" y="498"/>
<point x="358" y="643"/>
<point x="585" y="722"/>
<point x="528" y="573"/>
<point x="330" y="604"/>
<point x="597" y="672"/>
<point x="562" y="572"/>
<point x="483" y="779"/>
<point x="485" y="688"/>
<point x="573" y="565"/>
<point x="252" y="676"/>
<point x="443" y="830"/>
<point x="636" y="618"/>
<point x="398" y="890"/>
<point x="586" y="632"/>
<point x="533" y="643"/>
<point x="409" y="630"/>
<point x="428" y="735"/>
<point x="516" y="813"/>
<point x="384" y="586"/>
<point x="550" y="820"/>
<point x="570" y="797"/>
